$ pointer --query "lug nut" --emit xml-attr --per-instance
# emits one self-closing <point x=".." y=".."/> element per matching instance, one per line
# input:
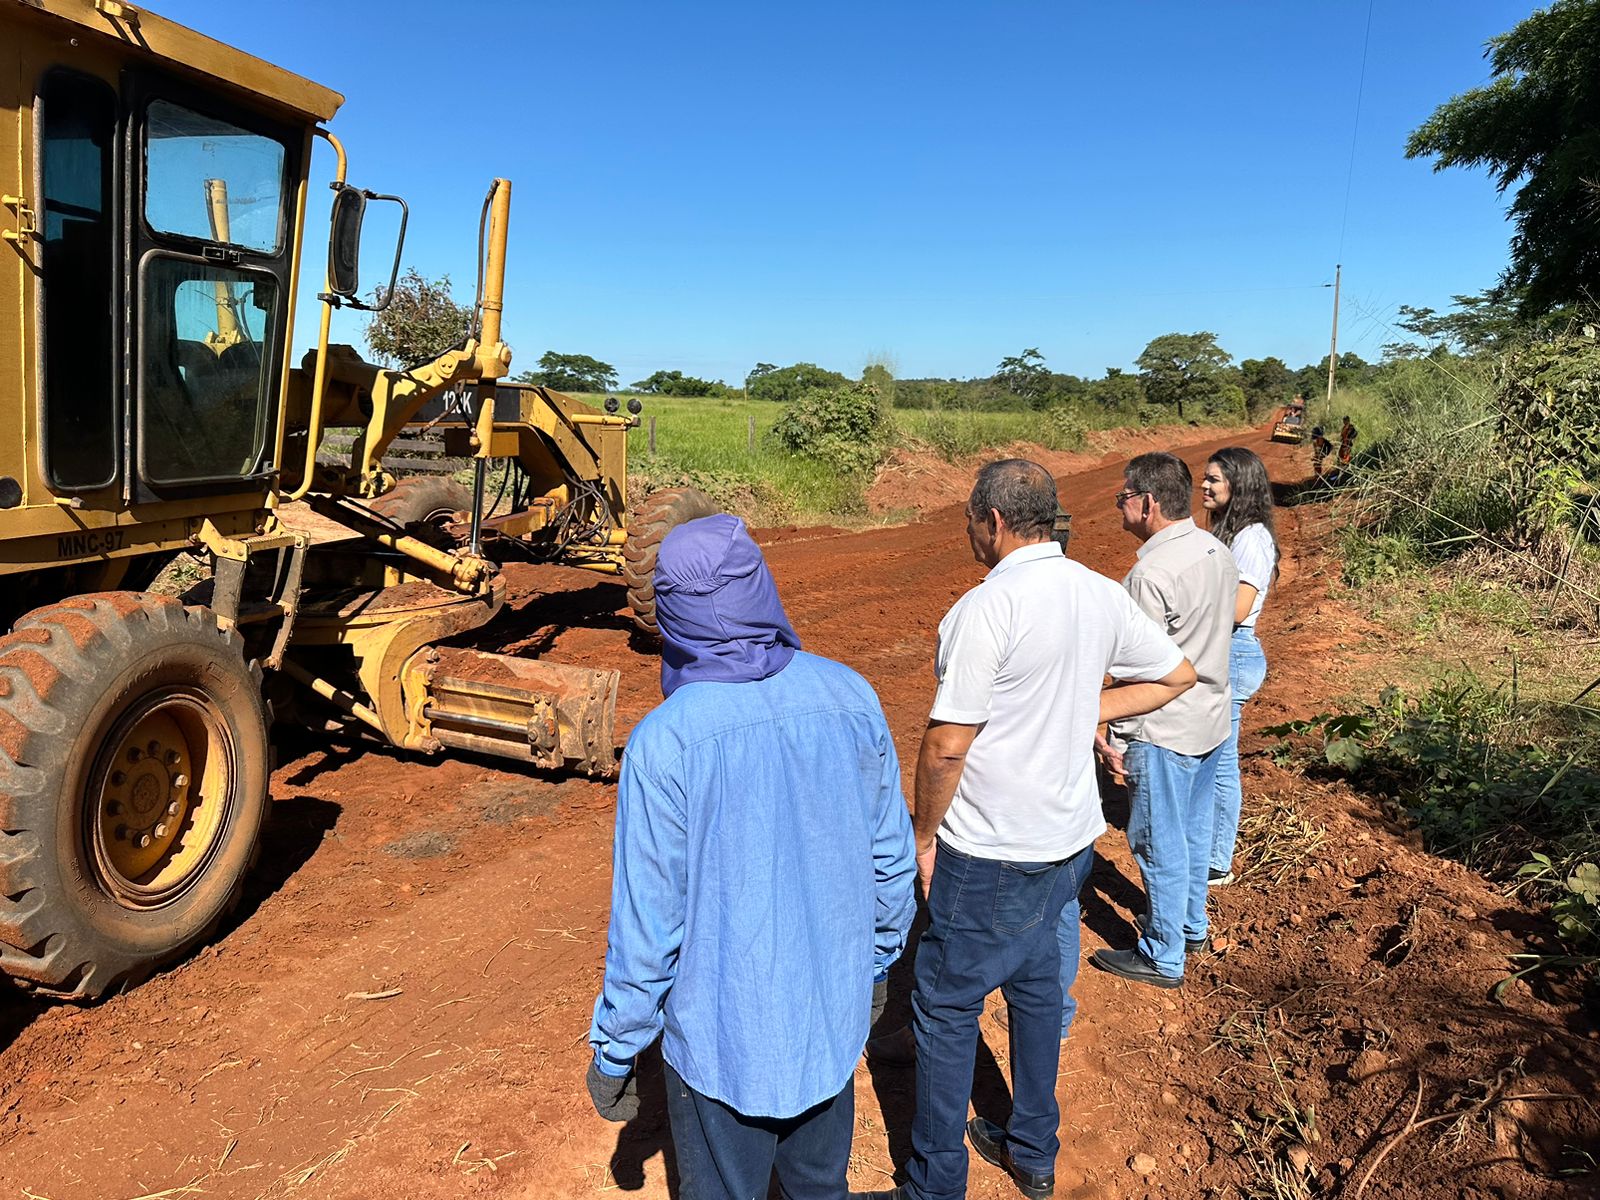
<point x="172" y="758"/>
<point x="180" y="780"/>
<point x="161" y="829"/>
<point x="172" y="809"/>
<point x="121" y="833"/>
<point x="114" y="808"/>
<point x="118" y="779"/>
<point x="142" y="840"/>
<point x="134" y="754"/>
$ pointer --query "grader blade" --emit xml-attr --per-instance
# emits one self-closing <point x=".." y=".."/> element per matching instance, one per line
<point x="551" y="714"/>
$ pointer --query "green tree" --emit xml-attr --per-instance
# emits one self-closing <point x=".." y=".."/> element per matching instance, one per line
<point x="1118" y="392"/>
<point x="1025" y="375"/>
<point x="420" y="323"/>
<point x="571" y="373"/>
<point x="1267" y="383"/>
<point x="676" y="383"/>
<point x="784" y="384"/>
<point x="1485" y="323"/>
<point x="1536" y="127"/>
<point x="1189" y="372"/>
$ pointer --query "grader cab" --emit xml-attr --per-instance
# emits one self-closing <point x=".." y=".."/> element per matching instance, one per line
<point x="154" y="186"/>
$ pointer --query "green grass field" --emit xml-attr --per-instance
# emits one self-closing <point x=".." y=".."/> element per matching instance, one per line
<point x="707" y="443"/>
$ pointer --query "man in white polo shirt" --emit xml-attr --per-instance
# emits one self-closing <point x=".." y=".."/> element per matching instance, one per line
<point x="1006" y="816"/>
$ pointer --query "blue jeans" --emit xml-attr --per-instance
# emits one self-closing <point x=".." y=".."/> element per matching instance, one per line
<point x="724" y="1155"/>
<point x="991" y="924"/>
<point x="1247" y="671"/>
<point x="1172" y="808"/>
<point x="1067" y="931"/>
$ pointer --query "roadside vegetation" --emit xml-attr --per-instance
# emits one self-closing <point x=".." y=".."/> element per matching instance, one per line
<point x="1471" y="529"/>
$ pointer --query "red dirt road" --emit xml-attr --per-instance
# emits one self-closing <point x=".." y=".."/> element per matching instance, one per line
<point x="400" y="1007"/>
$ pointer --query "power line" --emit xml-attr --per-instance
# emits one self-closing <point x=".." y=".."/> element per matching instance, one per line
<point x="1350" y="173"/>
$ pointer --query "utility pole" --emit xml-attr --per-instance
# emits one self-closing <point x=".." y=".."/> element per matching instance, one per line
<point x="1333" y="351"/>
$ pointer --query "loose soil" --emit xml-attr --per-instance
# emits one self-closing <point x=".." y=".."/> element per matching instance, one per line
<point x="399" y="1008"/>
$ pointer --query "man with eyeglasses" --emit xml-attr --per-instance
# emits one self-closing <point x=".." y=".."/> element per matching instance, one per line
<point x="1186" y="580"/>
<point x="1006" y="816"/>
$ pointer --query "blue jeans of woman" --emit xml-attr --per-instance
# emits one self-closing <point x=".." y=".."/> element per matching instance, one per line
<point x="1247" y="670"/>
<point x="991" y="924"/>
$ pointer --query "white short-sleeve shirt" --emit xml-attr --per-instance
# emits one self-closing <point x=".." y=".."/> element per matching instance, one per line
<point x="1023" y="655"/>
<point x="1257" y="557"/>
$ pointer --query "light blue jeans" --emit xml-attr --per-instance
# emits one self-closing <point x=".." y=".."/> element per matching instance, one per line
<point x="1171" y="822"/>
<point x="1247" y="671"/>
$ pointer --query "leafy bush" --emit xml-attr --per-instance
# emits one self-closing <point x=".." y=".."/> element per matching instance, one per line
<point x="844" y="425"/>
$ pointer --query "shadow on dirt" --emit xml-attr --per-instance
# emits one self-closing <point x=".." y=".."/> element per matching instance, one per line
<point x="648" y="1134"/>
<point x="18" y="1008"/>
<point x="295" y="829"/>
<point x="533" y="626"/>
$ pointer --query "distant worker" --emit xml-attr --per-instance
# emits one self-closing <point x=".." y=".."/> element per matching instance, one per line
<point x="761" y="884"/>
<point x="1237" y="494"/>
<point x="1321" y="447"/>
<point x="1007" y="813"/>
<point x="1186" y="581"/>
<point x="1347" y="442"/>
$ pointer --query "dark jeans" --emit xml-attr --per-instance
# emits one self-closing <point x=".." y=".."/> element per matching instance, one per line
<point x="991" y="925"/>
<point x="724" y="1155"/>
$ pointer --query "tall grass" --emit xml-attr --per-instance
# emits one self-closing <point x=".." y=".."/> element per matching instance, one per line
<point x="1430" y="480"/>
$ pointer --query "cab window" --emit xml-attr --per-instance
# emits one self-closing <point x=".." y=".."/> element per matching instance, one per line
<point x="212" y="181"/>
<point x="78" y="121"/>
<point x="204" y="367"/>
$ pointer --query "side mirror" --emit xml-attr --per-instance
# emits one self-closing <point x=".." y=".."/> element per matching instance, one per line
<point x="344" y="246"/>
<point x="344" y="242"/>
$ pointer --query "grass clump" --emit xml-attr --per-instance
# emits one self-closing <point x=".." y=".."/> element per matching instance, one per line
<point x="1508" y="785"/>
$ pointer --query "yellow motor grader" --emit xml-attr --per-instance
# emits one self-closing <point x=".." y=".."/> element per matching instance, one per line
<point x="153" y="192"/>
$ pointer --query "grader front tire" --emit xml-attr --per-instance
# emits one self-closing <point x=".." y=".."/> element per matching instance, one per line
<point x="133" y="787"/>
<point x="659" y="515"/>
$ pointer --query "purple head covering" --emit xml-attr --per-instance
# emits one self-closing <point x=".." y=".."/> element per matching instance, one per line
<point x="718" y="608"/>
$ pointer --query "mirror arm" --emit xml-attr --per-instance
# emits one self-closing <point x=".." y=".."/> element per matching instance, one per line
<point x="319" y="382"/>
<point x="394" y="272"/>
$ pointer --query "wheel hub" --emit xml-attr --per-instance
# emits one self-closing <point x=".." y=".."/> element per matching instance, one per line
<point x="162" y="798"/>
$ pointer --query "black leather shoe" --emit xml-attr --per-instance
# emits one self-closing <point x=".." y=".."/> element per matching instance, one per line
<point x="1190" y="945"/>
<point x="897" y="1048"/>
<point x="989" y="1140"/>
<point x="1134" y="966"/>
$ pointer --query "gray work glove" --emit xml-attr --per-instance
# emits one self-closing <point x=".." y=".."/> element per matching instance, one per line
<point x="880" y="1000"/>
<point x="615" y="1099"/>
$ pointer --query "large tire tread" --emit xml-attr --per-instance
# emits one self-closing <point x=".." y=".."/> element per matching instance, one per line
<point x="659" y="515"/>
<point x="55" y="665"/>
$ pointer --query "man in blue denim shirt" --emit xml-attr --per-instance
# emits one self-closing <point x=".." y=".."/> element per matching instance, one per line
<point x="762" y="883"/>
<point x="1007" y="812"/>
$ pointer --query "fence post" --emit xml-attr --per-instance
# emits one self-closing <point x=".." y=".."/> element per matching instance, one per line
<point x="752" y="433"/>
<point x="652" y="436"/>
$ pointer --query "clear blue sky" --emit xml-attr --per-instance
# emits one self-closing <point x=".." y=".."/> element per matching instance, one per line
<point x="704" y="185"/>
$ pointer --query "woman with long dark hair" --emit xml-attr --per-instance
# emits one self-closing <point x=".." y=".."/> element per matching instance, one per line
<point x="1237" y="495"/>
